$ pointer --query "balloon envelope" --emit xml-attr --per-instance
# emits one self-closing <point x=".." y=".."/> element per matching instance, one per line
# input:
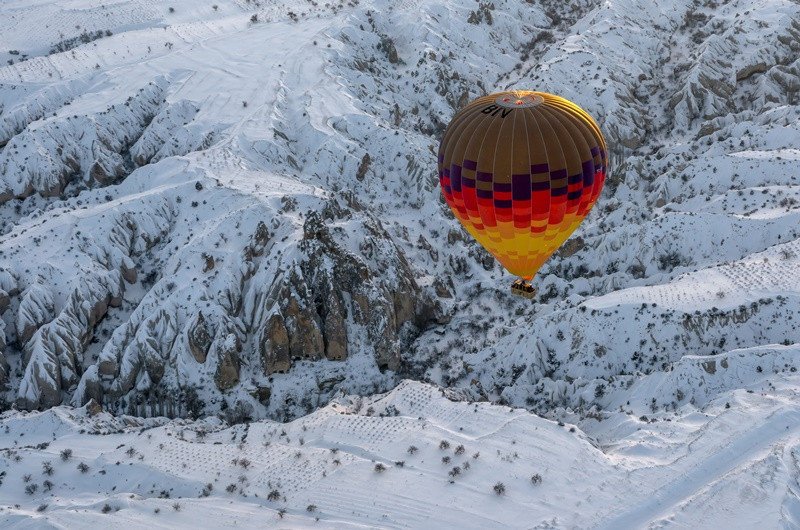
<point x="520" y="171"/>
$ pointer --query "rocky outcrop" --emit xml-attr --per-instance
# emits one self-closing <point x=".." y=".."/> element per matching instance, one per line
<point x="99" y="148"/>
<point x="571" y="247"/>
<point x="6" y="282"/>
<point x="171" y="132"/>
<point x="334" y="300"/>
<point x="227" y="373"/>
<point x="5" y="300"/>
<point x="53" y="352"/>
<point x="35" y="309"/>
<point x="726" y="74"/>
<point x="88" y="147"/>
<point x="54" y="338"/>
<point x="274" y="346"/>
<point x="128" y="270"/>
<point x="334" y="330"/>
<point x="35" y="107"/>
<point x="303" y="327"/>
<point x="199" y="338"/>
<point x="363" y="167"/>
<point x="750" y="70"/>
<point x="384" y="298"/>
<point x="4" y="368"/>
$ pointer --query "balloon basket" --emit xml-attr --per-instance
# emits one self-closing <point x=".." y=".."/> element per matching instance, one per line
<point x="523" y="289"/>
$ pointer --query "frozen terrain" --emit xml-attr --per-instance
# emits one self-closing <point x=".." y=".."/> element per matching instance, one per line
<point x="218" y="216"/>
<point x="412" y="458"/>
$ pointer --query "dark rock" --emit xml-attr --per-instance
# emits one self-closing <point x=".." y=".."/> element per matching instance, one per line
<point x="335" y="327"/>
<point x="5" y="300"/>
<point x="260" y="239"/>
<point x="263" y="395"/>
<point x="4" y="368"/>
<point x="129" y="274"/>
<point x="153" y="361"/>
<point x="93" y="407"/>
<point x="227" y="374"/>
<point x="302" y="325"/>
<point x="363" y="167"/>
<point x="274" y="346"/>
<point x="106" y="370"/>
<point x="571" y="247"/>
<point x="199" y="338"/>
<point x="750" y="70"/>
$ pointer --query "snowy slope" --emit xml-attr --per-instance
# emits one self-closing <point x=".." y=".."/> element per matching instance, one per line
<point x="230" y="211"/>
<point x="415" y="456"/>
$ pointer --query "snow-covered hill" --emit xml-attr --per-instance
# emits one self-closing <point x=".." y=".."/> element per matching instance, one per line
<point x="230" y="209"/>
<point x="417" y="457"/>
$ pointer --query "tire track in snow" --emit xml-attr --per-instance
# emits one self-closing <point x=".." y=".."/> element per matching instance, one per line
<point x="780" y="424"/>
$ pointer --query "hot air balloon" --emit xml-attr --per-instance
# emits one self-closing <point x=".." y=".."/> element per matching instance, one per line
<point x="520" y="170"/>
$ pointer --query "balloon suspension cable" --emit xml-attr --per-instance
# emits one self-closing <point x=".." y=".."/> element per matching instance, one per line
<point x="523" y="288"/>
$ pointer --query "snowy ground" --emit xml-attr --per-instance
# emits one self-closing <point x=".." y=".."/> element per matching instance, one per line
<point x="414" y="457"/>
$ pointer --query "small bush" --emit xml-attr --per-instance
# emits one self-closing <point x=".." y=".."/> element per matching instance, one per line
<point x="412" y="449"/>
<point x="444" y="444"/>
<point x="311" y="508"/>
<point x="30" y="489"/>
<point x="66" y="454"/>
<point x="379" y="468"/>
<point x="499" y="488"/>
<point x="670" y="260"/>
<point x="536" y="479"/>
<point x="460" y="450"/>
<point x="41" y="508"/>
<point x="274" y="495"/>
<point x="83" y="468"/>
<point x="47" y="469"/>
<point x="106" y="508"/>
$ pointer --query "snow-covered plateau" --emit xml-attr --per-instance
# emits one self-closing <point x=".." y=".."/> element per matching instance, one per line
<point x="231" y="293"/>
